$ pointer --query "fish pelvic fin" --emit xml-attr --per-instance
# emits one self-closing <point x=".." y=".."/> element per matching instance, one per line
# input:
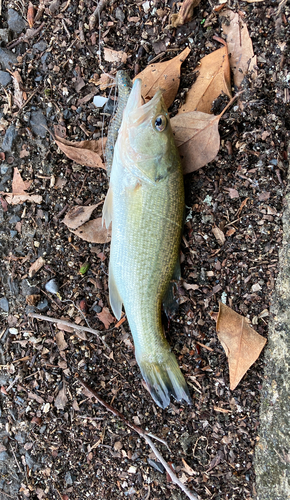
<point x="108" y="208"/>
<point x="164" y="378"/>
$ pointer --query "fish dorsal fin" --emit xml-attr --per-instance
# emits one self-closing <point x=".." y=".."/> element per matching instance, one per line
<point x="115" y="299"/>
<point x="108" y="208"/>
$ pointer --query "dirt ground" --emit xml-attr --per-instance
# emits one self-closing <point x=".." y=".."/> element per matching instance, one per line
<point x="55" y="442"/>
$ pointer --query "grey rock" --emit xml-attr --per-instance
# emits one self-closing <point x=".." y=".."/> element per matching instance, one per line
<point x="27" y="289"/>
<point x="68" y="478"/>
<point x="4" y="35"/>
<point x="43" y="306"/>
<point x="156" y="465"/>
<point x="13" y="285"/>
<point x="96" y="308"/>
<point x="5" y="78"/>
<point x="29" y="460"/>
<point x="119" y="14"/>
<point x="4" y="169"/>
<point x="7" y="59"/>
<point x="4" y="304"/>
<point x="9" y="138"/>
<point x="14" y="219"/>
<point x="20" y="437"/>
<point x="38" y="123"/>
<point x="40" y="46"/>
<point x="13" y="233"/>
<point x="15" y="21"/>
<point x="4" y="456"/>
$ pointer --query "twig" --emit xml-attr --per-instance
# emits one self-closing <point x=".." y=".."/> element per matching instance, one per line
<point x="91" y="393"/>
<point x="24" y="38"/>
<point x="96" y="14"/>
<point x="71" y="325"/>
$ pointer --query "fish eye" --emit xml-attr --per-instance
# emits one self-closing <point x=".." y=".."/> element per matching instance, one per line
<point x="160" y="123"/>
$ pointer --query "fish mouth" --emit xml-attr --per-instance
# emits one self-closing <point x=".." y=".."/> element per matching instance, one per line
<point x="136" y="111"/>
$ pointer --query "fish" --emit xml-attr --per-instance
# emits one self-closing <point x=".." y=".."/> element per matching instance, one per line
<point x="145" y="204"/>
<point x="124" y="85"/>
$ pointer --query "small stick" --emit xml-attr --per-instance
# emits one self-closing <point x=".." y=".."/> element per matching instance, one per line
<point x="96" y="14"/>
<point x="71" y="325"/>
<point x="91" y="393"/>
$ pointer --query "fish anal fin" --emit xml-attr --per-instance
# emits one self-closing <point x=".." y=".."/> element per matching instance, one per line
<point x="115" y="299"/>
<point x="108" y="208"/>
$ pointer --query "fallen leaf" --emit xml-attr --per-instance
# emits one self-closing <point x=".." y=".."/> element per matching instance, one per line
<point x="264" y="196"/>
<point x="19" y="96"/>
<point x="21" y="198"/>
<point x="61" y="399"/>
<point x="19" y="186"/>
<point x="164" y="76"/>
<point x="86" y="153"/>
<point x="241" y="343"/>
<point x="189" y="286"/>
<point x="185" y="13"/>
<point x="59" y="131"/>
<point x="60" y="341"/>
<point x="219" y="235"/>
<point x="37" y="398"/>
<point x="78" y="215"/>
<point x="30" y="15"/>
<point x="197" y="138"/>
<point x="117" y="56"/>
<point x="187" y="468"/>
<point x="36" y="266"/>
<point x="104" y="81"/>
<point x="232" y="192"/>
<point x="214" y="78"/>
<point x="33" y="299"/>
<point x="106" y="317"/>
<point x="240" y="47"/>
<point x="94" y="232"/>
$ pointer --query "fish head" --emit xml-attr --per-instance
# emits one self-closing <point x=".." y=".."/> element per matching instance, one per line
<point x="146" y="133"/>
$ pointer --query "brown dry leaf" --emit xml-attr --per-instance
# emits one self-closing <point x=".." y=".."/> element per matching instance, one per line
<point x="232" y="192"/>
<point x="104" y="81"/>
<point x="240" y="47"/>
<point x="78" y="215"/>
<point x="36" y="266"/>
<point x="187" y="468"/>
<point x="117" y="56"/>
<point x="197" y="138"/>
<point x="19" y="186"/>
<point x="219" y="235"/>
<point x="164" y="76"/>
<point x="241" y="343"/>
<point x="214" y="78"/>
<point x="60" y="341"/>
<point x="106" y="317"/>
<point x="185" y="14"/>
<point x="94" y="232"/>
<point x="19" y="95"/>
<point x="18" y="195"/>
<point x="86" y="153"/>
<point x="61" y="399"/>
<point x="30" y="15"/>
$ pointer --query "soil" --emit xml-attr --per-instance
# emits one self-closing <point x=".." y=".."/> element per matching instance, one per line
<point x="55" y="442"/>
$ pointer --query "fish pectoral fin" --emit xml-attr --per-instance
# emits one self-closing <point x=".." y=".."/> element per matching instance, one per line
<point x="115" y="299"/>
<point x="108" y="208"/>
<point x="170" y="302"/>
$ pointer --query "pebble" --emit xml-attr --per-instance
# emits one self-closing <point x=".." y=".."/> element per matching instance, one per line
<point x="4" y="35"/>
<point x="156" y="465"/>
<point x="9" y="138"/>
<point x="7" y="59"/>
<point x="40" y="46"/>
<point x="96" y="308"/>
<point x="119" y="14"/>
<point x="29" y="461"/>
<point x="13" y="331"/>
<point x="14" y="219"/>
<point x="5" y="78"/>
<point x="13" y="233"/>
<point x="38" y="123"/>
<point x="4" y="169"/>
<point x="4" y="457"/>
<point x="15" y="21"/>
<point x="4" y="304"/>
<point x="43" y="306"/>
<point x="99" y="101"/>
<point x="51" y="286"/>
<point x="110" y="106"/>
<point x="68" y="478"/>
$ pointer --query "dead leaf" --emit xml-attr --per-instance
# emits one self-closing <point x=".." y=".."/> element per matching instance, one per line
<point x="164" y="76"/>
<point x="232" y="192"/>
<point x="32" y="300"/>
<point x="104" y="81"/>
<point x="86" y="153"/>
<point x="94" y="232"/>
<point x="19" y="186"/>
<point x="213" y="79"/>
<point x="60" y="341"/>
<point x="189" y="286"/>
<point x="19" y="96"/>
<point x="117" y="56"/>
<point x="79" y="215"/>
<point x="241" y="343"/>
<point x="264" y="196"/>
<point x="240" y="47"/>
<point x="185" y="13"/>
<point x="36" y="266"/>
<point x="59" y="131"/>
<point x="106" y="317"/>
<point x="18" y="195"/>
<point x="197" y="138"/>
<point x="30" y="15"/>
<point x="219" y="235"/>
<point x="187" y="468"/>
<point x="37" y="398"/>
<point x="61" y="399"/>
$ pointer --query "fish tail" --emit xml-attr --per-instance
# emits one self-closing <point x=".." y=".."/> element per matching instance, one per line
<point x="164" y="378"/>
